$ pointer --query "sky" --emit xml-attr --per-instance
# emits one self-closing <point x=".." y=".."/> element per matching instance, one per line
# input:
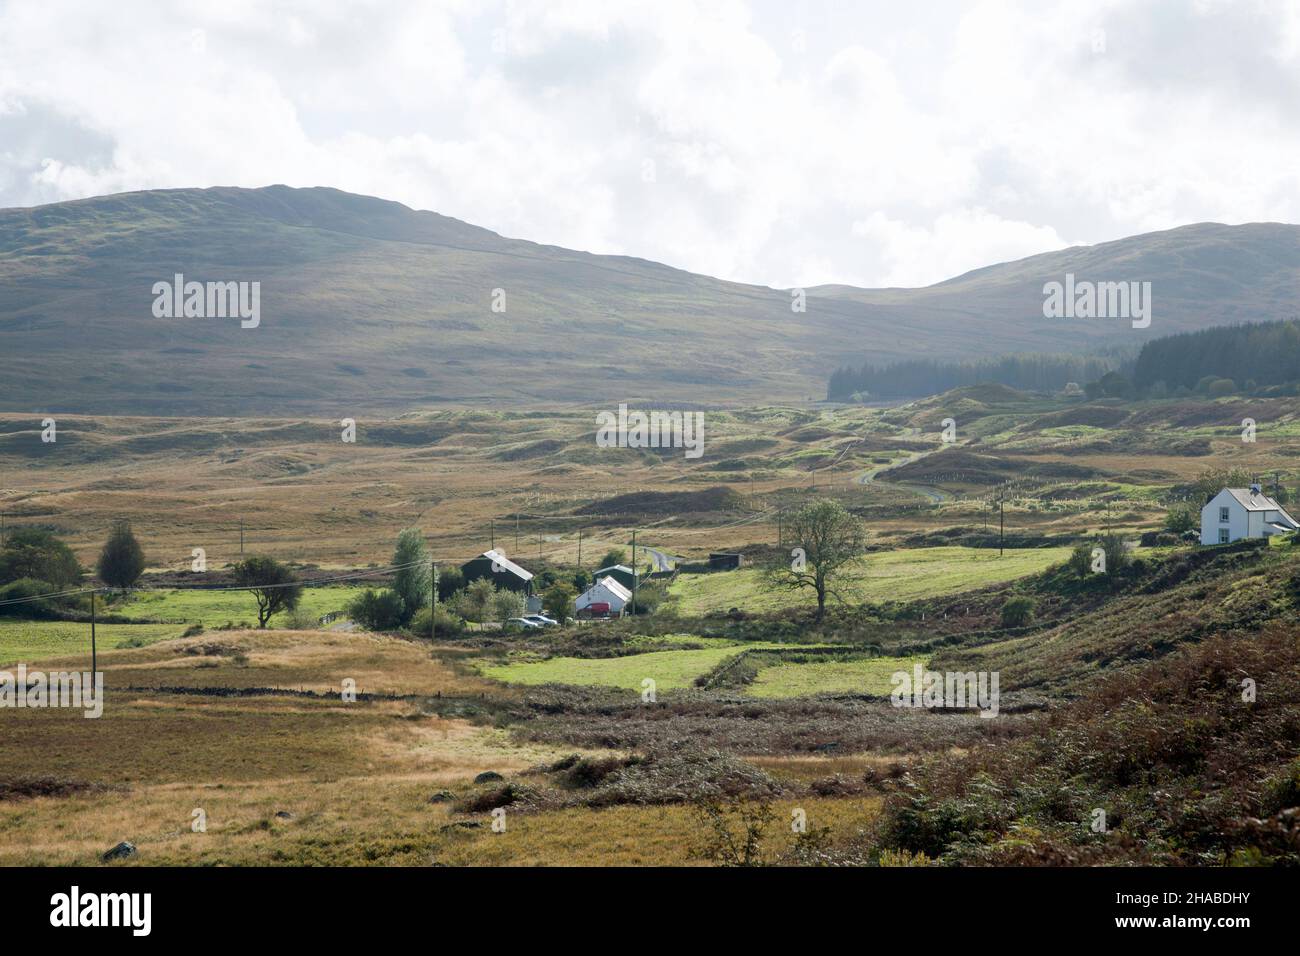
<point x="784" y="144"/>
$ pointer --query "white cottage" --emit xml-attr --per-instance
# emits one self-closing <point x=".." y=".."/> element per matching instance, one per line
<point x="606" y="592"/>
<point x="1236" y="513"/>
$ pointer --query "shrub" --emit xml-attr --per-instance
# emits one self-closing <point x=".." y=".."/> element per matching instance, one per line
<point x="28" y="588"/>
<point x="377" y="610"/>
<point x="1018" y="611"/>
<point x="33" y="553"/>
<point x="448" y="623"/>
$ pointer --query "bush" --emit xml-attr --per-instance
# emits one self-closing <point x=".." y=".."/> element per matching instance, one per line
<point x="448" y="623"/>
<point x="27" y="588"/>
<point x="377" y="610"/>
<point x="1181" y="519"/>
<point x="36" y="554"/>
<point x="1018" y="611"/>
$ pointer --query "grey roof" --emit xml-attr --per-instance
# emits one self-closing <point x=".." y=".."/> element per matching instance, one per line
<point x="499" y="559"/>
<point x="1257" y="502"/>
<point x="614" y="567"/>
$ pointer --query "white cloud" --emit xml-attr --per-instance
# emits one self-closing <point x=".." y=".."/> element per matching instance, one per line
<point x="895" y="145"/>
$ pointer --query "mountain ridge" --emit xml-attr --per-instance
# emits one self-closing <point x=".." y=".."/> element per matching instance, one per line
<point x="370" y="305"/>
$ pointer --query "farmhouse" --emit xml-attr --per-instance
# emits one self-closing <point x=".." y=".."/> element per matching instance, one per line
<point x="503" y="572"/>
<point x="1236" y="513"/>
<point x="606" y="596"/>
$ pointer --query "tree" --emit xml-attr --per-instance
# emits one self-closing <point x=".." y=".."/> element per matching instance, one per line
<point x="378" y="610"/>
<point x="612" y="557"/>
<point x="558" y="600"/>
<point x="1181" y="519"/>
<point x="122" y="561"/>
<point x="273" y="585"/>
<point x="36" y="554"/>
<point x="505" y="604"/>
<point x="450" y="580"/>
<point x="825" y="538"/>
<point x="412" y="580"/>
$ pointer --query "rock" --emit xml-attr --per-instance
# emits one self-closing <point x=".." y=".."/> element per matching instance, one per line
<point x="463" y="825"/>
<point x="283" y="815"/>
<point x="488" y="776"/>
<point x="442" y="796"/>
<point x="120" y="852"/>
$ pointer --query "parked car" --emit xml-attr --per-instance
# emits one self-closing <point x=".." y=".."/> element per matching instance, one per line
<point x="523" y="622"/>
<point x="541" y="619"/>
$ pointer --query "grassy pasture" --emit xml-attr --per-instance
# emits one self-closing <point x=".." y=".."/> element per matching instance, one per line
<point x="902" y="575"/>
<point x="213" y="608"/>
<point x="670" y="670"/>
<point x="866" y="676"/>
<point x="29" y="641"/>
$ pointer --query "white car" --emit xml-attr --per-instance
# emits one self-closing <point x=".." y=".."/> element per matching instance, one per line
<point x="541" y="620"/>
<point x="523" y="622"/>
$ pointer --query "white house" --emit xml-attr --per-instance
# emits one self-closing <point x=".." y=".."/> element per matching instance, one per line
<point x="1236" y="513"/>
<point x="605" y="591"/>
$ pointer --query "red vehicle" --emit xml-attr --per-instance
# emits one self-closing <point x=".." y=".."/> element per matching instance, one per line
<point x="596" y="609"/>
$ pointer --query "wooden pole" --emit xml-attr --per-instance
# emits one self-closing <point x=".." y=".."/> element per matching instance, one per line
<point x="94" y="654"/>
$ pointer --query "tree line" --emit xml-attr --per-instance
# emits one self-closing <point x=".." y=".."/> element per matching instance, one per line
<point x="916" y="378"/>
<point x="1221" y="360"/>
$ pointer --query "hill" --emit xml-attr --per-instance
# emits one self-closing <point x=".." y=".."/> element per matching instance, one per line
<point x="368" y="305"/>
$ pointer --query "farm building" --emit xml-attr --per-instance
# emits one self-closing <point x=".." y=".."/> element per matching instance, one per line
<point x="503" y="572"/>
<point x="619" y="572"/>
<point x="1236" y="513"/>
<point x="606" y="596"/>
<point x="725" y="561"/>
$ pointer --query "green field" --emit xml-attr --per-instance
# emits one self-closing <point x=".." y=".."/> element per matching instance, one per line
<point x="866" y="676"/>
<point x="668" y="669"/>
<point x="903" y="575"/>
<point x="28" y="641"/>
<point x="215" y="608"/>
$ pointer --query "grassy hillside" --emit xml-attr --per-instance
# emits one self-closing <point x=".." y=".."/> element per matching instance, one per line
<point x="367" y="306"/>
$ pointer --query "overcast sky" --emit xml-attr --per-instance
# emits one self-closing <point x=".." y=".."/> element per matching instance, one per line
<point x="893" y="143"/>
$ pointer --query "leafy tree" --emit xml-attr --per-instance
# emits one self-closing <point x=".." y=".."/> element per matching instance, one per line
<point x="412" y="581"/>
<point x="612" y="557"/>
<point x="122" y="560"/>
<point x="381" y="610"/>
<point x="273" y="585"/>
<point x="1018" y="611"/>
<point x="446" y="623"/>
<point x="558" y="600"/>
<point x="1210" y="482"/>
<point x="505" y="604"/>
<point x="36" y="554"/>
<point x="581" y="581"/>
<point x="829" y="539"/>
<point x="450" y="580"/>
<point x="1181" y="519"/>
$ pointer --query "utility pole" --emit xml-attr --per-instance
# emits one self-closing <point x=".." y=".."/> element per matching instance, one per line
<point x="492" y="535"/>
<point x="241" y="535"/>
<point x="579" y="549"/>
<point x="780" y="536"/>
<point x="636" y="575"/>
<point x="433" y="599"/>
<point x="516" y="532"/>
<point x="94" y="655"/>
